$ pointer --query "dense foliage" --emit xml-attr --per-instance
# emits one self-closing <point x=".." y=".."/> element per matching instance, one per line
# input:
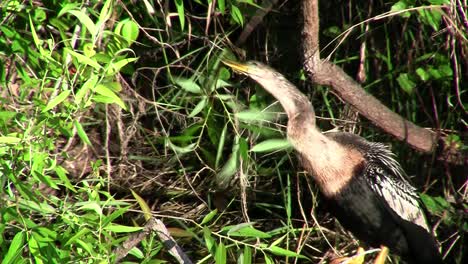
<point x="112" y="111"/>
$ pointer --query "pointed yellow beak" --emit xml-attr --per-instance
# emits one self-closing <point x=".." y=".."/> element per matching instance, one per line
<point x="237" y="66"/>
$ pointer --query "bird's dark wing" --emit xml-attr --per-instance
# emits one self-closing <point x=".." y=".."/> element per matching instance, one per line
<point x="386" y="178"/>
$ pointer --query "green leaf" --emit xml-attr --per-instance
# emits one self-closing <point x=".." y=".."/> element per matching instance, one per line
<point x="436" y="205"/>
<point x="236" y="15"/>
<point x="88" y="85"/>
<point x="209" y="240"/>
<point x="188" y="85"/>
<point x="271" y="145"/>
<point x="224" y="177"/>
<point x="221" y="6"/>
<point x="220" y="255"/>
<point x="85" y="20"/>
<point x="81" y="233"/>
<point x="149" y="7"/>
<point x="122" y="229"/>
<point x="405" y="83"/>
<point x="423" y="74"/>
<point x="36" y="39"/>
<point x="114" y="67"/>
<point x="15" y="248"/>
<point x="57" y="100"/>
<point x="180" y="10"/>
<point x="284" y="252"/>
<point x="34" y="248"/>
<point x="130" y="30"/>
<point x="81" y="133"/>
<point x="250" y="116"/>
<point x="431" y="18"/>
<point x="106" y="91"/>
<point x="209" y="216"/>
<point x="199" y="107"/>
<point x="247" y="255"/>
<point x="136" y="252"/>
<point x="88" y="50"/>
<point x="245" y="230"/>
<point x="106" y="12"/>
<point x="143" y="205"/>
<point x="181" y="150"/>
<point x="400" y="6"/>
<point x="83" y="59"/>
<point x="90" y="205"/>
<point x="219" y="151"/>
<point x="62" y="174"/>
<point x="9" y="140"/>
<point x="268" y="259"/>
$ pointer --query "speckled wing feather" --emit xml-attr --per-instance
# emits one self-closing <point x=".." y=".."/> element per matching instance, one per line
<point x="388" y="180"/>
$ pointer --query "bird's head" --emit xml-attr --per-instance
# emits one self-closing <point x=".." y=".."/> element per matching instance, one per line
<point x="293" y="101"/>
<point x="261" y="73"/>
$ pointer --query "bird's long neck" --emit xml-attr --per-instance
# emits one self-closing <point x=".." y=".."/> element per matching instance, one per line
<point x="295" y="104"/>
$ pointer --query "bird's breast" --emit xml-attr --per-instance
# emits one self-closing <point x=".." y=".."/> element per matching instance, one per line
<point x="331" y="164"/>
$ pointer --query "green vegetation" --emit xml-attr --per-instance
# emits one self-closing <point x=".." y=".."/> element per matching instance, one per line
<point x="102" y="98"/>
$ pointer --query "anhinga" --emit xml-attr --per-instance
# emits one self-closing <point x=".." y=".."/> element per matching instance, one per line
<point x="366" y="187"/>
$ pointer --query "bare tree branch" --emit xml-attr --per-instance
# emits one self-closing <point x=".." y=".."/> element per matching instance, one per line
<point x="326" y="73"/>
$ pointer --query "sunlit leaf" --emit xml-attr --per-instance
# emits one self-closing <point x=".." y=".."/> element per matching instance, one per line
<point x="83" y="59"/>
<point x="220" y="255"/>
<point x="406" y="83"/>
<point x="199" y="107"/>
<point x="81" y="133"/>
<point x="284" y="252"/>
<point x="88" y="85"/>
<point x="422" y="74"/>
<point x="136" y="252"/>
<point x="114" y="67"/>
<point x="56" y="100"/>
<point x="181" y="12"/>
<point x="85" y="20"/>
<point x="222" y="139"/>
<point x="247" y="255"/>
<point x="400" y="6"/>
<point x="15" y="249"/>
<point x="271" y="145"/>
<point x="9" y="140"/>
<point x="182" y="150"/>
<point x="106" y="91"/>
<point x="221" y="5"/>
<point x="143" y="205"/>
<point x="90" y="205"/>
<point x="130" y="30"/>
<point x="249" y="116"/>
<point x="209" y="216"/>
<point x="209" y="240"/>
<point x="188" y="85"/>
<point x="224" y="177"/>
<point x="245" y="230"/>
<point x="236" y="15"/>
<point x="122" y="229"/>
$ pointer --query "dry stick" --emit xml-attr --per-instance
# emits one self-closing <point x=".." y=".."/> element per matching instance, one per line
<point x="158" y="226"/>
<point x="256" y="19"/>
<point x="326" y="73"/>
